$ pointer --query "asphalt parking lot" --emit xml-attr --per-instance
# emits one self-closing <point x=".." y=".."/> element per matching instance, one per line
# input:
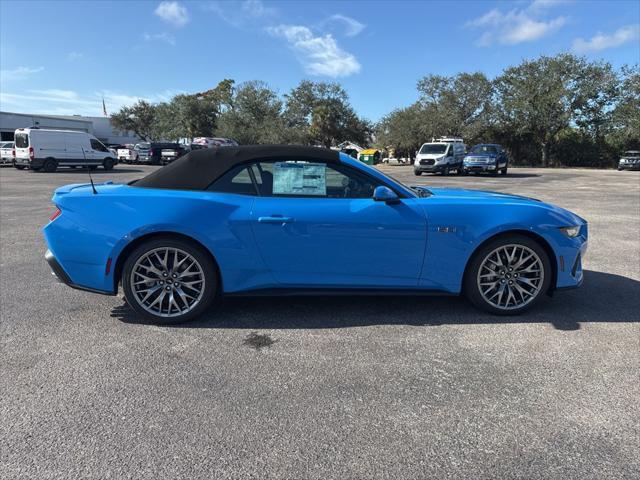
<point x="326" y="388"/>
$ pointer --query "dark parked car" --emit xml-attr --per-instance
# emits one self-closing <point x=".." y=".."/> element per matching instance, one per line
<point x="486" y="157"/>
<point x="630" y="160"/>
<point x="153" y="154"/>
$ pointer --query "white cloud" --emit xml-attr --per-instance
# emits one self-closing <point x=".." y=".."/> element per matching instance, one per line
<point x="257" y="9"/>
<point x="173" y="13"/>
<point x="68" y="102"/>
<point x="18" y="73"/>
<point x="516" y="26"/>
<point x="161" y="37"/>
<point x="540" y="4"/>
<point x="602" y="41"/>
<point x="320" y="55"/>
<point x="352" y="26"/>
<point x="250" y="11"/>
<point x="73" y="56"/>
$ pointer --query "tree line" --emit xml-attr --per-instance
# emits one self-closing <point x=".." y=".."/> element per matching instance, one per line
<point x="552" y="111"/>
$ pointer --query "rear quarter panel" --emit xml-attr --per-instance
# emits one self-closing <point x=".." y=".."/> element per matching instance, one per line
<point x="93" y="228"/>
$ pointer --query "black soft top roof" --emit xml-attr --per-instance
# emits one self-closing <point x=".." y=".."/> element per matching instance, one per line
<point x="200" y="168"/>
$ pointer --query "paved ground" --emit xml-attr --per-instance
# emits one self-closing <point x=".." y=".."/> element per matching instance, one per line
<point x="351" y="387"/>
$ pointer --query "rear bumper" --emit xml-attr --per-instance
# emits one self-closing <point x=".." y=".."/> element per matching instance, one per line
<point x="63" y="277"/>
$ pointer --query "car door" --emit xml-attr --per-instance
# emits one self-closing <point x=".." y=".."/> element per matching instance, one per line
<point x="317" y="225"/>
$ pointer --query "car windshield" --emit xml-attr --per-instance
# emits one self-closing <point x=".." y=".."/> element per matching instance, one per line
<point x="484" y="149"/>
<point x="433" y="148"/>
<point x="6" y="145"/>
<point x="142" y="146"/>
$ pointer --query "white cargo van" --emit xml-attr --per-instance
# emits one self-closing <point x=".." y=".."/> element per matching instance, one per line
<point x="41" y="149"/>
<point x="440" y="156"/>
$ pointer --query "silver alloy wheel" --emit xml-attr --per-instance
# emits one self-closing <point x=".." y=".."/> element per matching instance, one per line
<point x="510" y="276"/>
<point x="167" y="282"/>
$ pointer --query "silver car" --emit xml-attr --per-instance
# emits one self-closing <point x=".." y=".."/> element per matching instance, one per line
<point x="6" y="153"/>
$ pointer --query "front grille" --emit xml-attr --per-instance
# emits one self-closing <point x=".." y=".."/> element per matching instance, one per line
<point x="430" y="161"/>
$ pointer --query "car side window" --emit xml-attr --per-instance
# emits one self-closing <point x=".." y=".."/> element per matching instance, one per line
<point x="293" y="178"/>
<point x="237" y="180"/>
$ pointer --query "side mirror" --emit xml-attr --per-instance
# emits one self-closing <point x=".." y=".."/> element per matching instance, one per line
<point x="385" y="194"/>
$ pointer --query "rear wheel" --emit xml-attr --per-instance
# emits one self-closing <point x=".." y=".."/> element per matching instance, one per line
<point x="168" y="280"/>
<point x="50" y="165"/>
<point x="108" y="163"/>
<point x="417" y="173"/>
<point x="508" y="275"/>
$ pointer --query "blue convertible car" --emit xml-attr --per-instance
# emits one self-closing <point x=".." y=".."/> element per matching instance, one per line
<point x="286" y="219"/>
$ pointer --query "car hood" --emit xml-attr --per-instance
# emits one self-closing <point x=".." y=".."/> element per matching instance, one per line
<point x="481" y="155"/>
<point x="483" y="197"/>
<point x="463" y="193"/>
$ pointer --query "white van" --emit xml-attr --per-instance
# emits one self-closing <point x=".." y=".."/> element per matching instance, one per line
<point x="440" y="156"/>
<point x="41" y="149"/>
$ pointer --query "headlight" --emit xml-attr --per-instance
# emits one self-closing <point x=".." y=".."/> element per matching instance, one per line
<point x="623" y="160"/>
<point x="571" y="232"/>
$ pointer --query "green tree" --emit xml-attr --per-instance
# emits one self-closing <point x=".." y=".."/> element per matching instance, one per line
<point x="320" y="112"/>
<point x="254" y="116"/>
<point x="455" y="106"/>
<point x="138" y="118"/>
<point x="625" y="130"/>
<point x="403" y="130"/>
<point x="538" y="97"/>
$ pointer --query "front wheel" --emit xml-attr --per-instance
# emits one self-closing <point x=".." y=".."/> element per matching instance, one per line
<point x="168" y="280"/>
<point x="417" y="173"/>
<point x="19" y="167"/>
<point x="508" y="275"/>
<point x="503" y="171"/>
<point x="108" y="163"/>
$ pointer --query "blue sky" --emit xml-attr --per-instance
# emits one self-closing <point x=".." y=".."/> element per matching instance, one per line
<point x="64" y="57"/>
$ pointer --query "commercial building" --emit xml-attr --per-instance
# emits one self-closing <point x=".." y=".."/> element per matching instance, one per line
<point x="100" y="127"/>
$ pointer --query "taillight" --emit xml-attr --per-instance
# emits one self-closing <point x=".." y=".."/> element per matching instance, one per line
<point x="32" y="154"/>
<point x="55" y="214"/>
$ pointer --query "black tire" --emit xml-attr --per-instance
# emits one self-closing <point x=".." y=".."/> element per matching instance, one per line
<point x="108" y="163"/>
<point x="209" y="270"/>
<point x="470" y="284"/>
<point x="503" y="171"/>
<point x="20" y="167"/>
<point x="50" y="165"/>
<point x="445" y="172"/>
<point x="417" y="173"/>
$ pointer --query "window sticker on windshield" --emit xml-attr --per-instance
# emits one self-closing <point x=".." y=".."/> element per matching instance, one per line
<point x="299" y="178"/>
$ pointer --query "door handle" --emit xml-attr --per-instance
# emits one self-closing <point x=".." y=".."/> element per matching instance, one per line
<point x="275" y="219"/>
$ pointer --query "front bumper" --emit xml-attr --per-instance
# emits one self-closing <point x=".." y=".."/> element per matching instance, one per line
<point x="429" y="168"/>
<point x="480" y="167"/>
<point x="62" y="276"/>
<point x="629" y="166"/>
<point x="570" y="255"/>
